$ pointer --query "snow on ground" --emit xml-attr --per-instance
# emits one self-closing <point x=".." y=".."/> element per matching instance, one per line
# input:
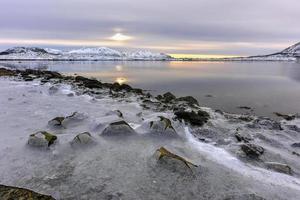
<point x="125" y="168"/>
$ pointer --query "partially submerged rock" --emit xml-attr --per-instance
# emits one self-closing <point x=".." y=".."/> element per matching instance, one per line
<point x="265" y="123"/>
<point x="163" y="126"/>
<point x="15" y="193"/>
<point x="279" y="167"/>
<point x="120" y="128"/>
<point x="57" y="121"/>
<point x="196" y="119"/>
<point x="242" y="137"/>
<point x="168" y="97"/>
<point x="163" y="152"/>
<point x="189" y="99"/>
<point x="244" y="197"/>
<point x="63" y="121"/>
<point x="82" y="139"/>
<point x="252" y="150"/>
<point x="296" y="145"/>
<point x="284" y="116"/>
<point x="41" y="139"/>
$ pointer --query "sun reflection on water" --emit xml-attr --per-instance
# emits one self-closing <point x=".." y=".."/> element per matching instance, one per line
<point x="121" y="80"/>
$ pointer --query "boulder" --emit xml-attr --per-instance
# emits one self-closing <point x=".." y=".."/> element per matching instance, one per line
<point x="279" y="167"/>
<point x="196" y="119"/>
<point x="89" y="83"/>
<point x="15" y="193"/>
<point x="82" y="139"/>
<point x="284" y="116"/>
<point x="189" y="99"/>
<point x="120" y="128"/>
<point x="41" y="139"/>
<point x="168" y="97"/>
<point x="57" y="121"/>
<point x="252" y="150"/>
<point x="163" y="126"/>
<point x="164" y="153"/>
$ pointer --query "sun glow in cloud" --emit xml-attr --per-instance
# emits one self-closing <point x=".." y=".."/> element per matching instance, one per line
<point x="120" y="37"/>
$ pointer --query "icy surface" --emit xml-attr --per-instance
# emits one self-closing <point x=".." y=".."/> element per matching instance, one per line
<point x="125" y="168"/>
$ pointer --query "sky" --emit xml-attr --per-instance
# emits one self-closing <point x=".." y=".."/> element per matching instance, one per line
<point x="189" y="27"/>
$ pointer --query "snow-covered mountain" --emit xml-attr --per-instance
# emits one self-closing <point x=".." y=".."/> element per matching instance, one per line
<point x="98" y="53"/>
<point x="291" y="53"/>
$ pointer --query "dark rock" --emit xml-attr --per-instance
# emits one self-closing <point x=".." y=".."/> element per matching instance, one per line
<point x="245" y="107"/>
<point x="252" y="150"/>
<point x="89" y="83"/>
<point x="284" y="116"/>
<point x="15" y="193"/>
<point x="189" y="99"/>
<point x="296" y="145"/>
<point x="242" y="137"/>
<point x="168" y="97"/>
<point x="279" y="167"/>
<point x="244" y="197"/>
<point x="120" y="128"/>
<point x="196" y="119"/>
<point x="117" y="87"/>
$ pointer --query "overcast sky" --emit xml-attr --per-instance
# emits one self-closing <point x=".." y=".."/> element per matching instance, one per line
<point x="224" y="27"/>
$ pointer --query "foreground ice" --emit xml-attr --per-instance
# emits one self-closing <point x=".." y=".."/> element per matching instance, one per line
<point x="125" y="168"/>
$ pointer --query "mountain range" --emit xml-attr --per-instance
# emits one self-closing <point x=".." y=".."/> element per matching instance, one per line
<point x="82" y="54"/>
<point x="291" y="53"/>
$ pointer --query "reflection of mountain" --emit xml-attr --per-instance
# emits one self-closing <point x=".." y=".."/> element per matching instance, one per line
<point x="83" y="54"/>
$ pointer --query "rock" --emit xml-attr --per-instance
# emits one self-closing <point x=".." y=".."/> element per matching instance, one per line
<point x="242" y="137"/>
<point x="252" y="150"/>
<point x="296" y="145"/>
<point x="196" y="119"/>
<point x="244" y="107"/>
<point x="82" y="139"/>
<point x="53" y="90"/>
<point x="120" y="128"/>
<point x="41" y="139"/>
<point x="57" y="121"/>
<point x="189" y="99"/>
<point x="279" y="167"/>
<point x="244" y="197"/>
<point x="117" y="87"/>
<point x="163" y="126"/>
<point x="284" y="116"/>
<point x="89" y="83"/>
<point x="293" y="128"/>
<point x="168" y="97"/>
<point x="15" y="193"/>
<point x="163" y="152"/>
<point x="265" y="123"/>
<point x="115" y="112"/>
<point x="6" y="72"/>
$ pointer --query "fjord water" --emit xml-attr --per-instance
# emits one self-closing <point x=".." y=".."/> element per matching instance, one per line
<point x="266" y="87"/>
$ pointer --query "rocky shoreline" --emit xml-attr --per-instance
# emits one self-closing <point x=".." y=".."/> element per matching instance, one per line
<point x="247" y="137"/>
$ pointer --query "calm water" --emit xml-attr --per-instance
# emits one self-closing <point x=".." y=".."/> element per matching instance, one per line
<point x="267" y="87"/>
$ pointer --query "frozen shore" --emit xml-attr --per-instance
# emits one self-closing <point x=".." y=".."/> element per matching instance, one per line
<point x="238" y="156"/>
